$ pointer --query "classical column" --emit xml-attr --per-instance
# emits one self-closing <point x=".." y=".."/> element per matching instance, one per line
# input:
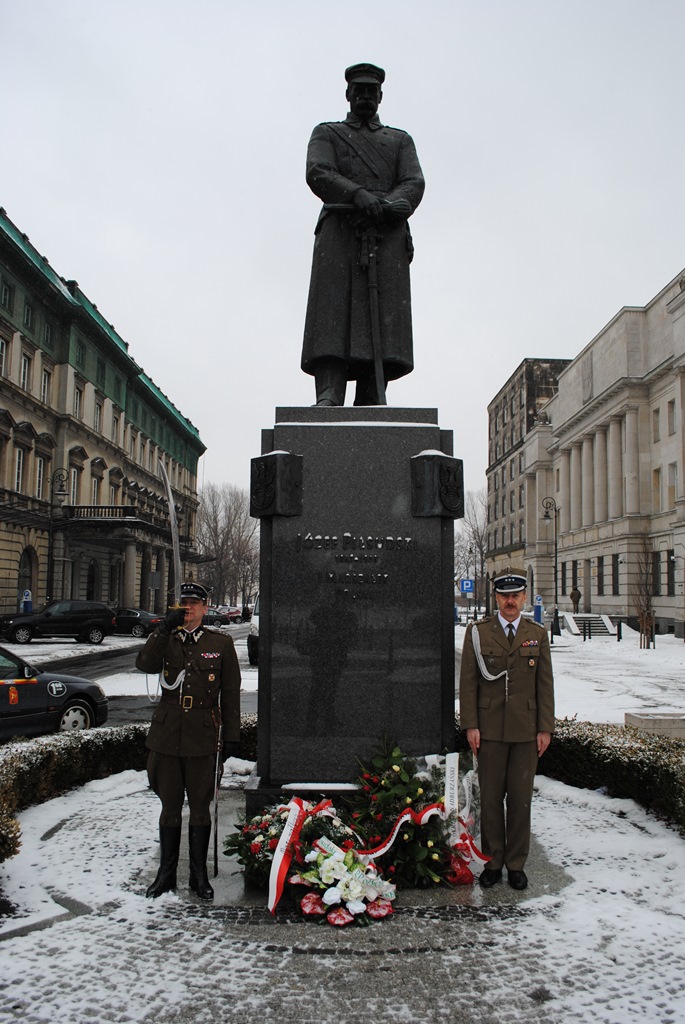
<point x="130" y="575"/>
<point x="601" y="475"/>
<point x="632" y="466"/>
<point x="576" y="486"/>
<point x="615" y="469"/>
<point x="588" y="495"/>
<point x="565" y="492"/>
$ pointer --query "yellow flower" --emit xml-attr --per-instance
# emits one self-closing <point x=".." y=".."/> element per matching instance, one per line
<point x="408" y="799"/>
<point x="435" y="856"/>
<point x="396" y="768"/>
<point x="405" y="836"/>
<point x="429" y="843"/>
<point x="419" y="792"/>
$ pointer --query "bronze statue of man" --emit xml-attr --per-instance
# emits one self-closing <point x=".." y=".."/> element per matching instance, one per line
<point x="358" y="324"/>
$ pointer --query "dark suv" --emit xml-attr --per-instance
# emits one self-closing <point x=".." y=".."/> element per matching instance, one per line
<point x="87" y="621"/>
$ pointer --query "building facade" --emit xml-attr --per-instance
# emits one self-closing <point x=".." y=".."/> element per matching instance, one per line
<point x="604" y="459"/>
<point x="83" y="508"/>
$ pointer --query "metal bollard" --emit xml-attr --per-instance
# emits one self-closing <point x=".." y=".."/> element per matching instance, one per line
<point x="619" y="631"/>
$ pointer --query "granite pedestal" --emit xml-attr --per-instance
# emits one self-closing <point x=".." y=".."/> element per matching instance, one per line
<point x="356" y="591"/>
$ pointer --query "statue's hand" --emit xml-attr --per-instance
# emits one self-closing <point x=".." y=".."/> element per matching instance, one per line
<point x="397" y="209"/>
<point x="368" y="204"/>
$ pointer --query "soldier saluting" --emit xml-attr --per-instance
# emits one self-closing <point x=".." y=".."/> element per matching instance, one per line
<point x="200" y="702"/>
<point x="358" y="324"/>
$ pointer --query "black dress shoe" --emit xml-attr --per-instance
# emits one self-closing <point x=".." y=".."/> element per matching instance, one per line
<point x="489" y="878"/>
<point x="517" y="879"/>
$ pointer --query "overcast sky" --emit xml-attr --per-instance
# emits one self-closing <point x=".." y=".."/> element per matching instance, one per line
<point x="154" y="151"/>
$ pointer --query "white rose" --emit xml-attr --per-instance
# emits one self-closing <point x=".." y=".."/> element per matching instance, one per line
<point x="356" y="906"/>
<point x="332" y="895"/>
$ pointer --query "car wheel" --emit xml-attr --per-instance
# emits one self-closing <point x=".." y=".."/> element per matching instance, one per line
<point x="76" y="715"/>
<point x="95" y="635"/>
<point x="217" y="622"/>
<point x="22" y="635"/>
<point x="138" y="630"/>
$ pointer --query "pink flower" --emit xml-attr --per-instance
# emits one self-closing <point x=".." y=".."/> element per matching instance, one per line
<point x="312" y="903"/>
<point x="379" y="908"/>
<point x="339" y="916"/>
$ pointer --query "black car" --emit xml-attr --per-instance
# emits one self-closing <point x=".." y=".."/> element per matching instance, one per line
<point x="215" y="617"/>
<point x="136" y="621"/>
<point x="87" y="621"/>
<point x="33" y="700"/>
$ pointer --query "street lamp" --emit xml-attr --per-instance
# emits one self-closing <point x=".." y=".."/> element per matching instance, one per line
<point x="550" y="505"/>
<point x="58" y="494"/>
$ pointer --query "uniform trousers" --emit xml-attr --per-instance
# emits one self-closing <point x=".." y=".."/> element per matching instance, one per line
<point x="506" y="770"/>
<point x="172" y="777"/>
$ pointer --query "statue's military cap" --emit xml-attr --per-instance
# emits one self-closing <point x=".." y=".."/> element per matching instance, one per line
<point x="365" y="73"/>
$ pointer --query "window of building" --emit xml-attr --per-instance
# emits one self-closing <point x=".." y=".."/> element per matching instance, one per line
<point x="511" y="501"/>
<point x="115" y="427"/>
<point x="113" y="494"/>
<point x="522" y="499"/>
<point x="40" y="476"/>
<point x="615" y="589"/>
<point x="101" y="373"/>
<point x="45" y="386"/>
<point x="513" y="436"/>
<point x="29" y="316"/>
<point x="600" y="576"/>
<point x="511" y="470"/>
<point x="522" y="535"/>
<point x="670" y="573"/>
<point x="574" y="574"/>
<point x="3" y="356"/>
<point x="511" y="534"/>
<point x="671" y="416"/>
<point x="522" y="462"/>
<point x="496" y="479"/>
<point x="504" y="504"/>
<point x="672" y="483"/>
<point x="98" y="417"/>
<point x="132" y="445"/>
<point x="563" y="577"/>
<point x="25" y="372"/>
<point x="80" y="353"/>
<point x="73" y="486"/>
<point x="504" y="475"/>
<point x="47" y="334"/>
<point x="557" y="481"/>
<point x="656" y="490"/>
<point x="504" y="536"/>
<point x="78" y="402"/>
<point x="7" y="296"/>
<point x="95" y="491"/>
<point x="656" y="426"/>
<point x="656" y="573"/>
<point x="19" y="469"/>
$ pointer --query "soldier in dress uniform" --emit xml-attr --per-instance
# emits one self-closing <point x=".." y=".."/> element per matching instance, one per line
<point x="200" y="692"/>
<point x="370" y="175"/>
<point x="507" y="712"/>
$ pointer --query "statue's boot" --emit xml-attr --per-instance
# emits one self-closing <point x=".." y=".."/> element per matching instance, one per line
<point x="169" y="845"/>
<point x="198" y="844"/>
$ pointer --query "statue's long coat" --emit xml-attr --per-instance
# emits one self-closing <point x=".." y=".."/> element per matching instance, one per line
<point x="343" y="157"/>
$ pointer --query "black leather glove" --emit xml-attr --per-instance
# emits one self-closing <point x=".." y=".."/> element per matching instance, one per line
<point x="174" y="618"/>
<point x="231" y="748"/>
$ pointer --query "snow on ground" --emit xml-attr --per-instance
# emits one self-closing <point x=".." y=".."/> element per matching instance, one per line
<point x="606" y="948"/>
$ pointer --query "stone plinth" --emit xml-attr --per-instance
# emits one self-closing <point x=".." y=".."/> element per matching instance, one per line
<point x="356" y="593"/>
<point x="661" y="723"/>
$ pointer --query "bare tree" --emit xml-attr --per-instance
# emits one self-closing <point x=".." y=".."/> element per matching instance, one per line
<point x="227" y="533"/>
<point x="470" y="541"/>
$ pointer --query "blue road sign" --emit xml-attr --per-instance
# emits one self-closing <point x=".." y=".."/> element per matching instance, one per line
<point x="466" y="586"/>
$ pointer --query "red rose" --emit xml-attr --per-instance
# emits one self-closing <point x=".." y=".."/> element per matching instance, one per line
<point x="311" y="903"/>
<point x="374" y="796"/>
<point x="273" y="843"/>
<point x="255" y="848"/>
<point x="355" y="814"/>
<point x="340" y="916"/>
<point x="366" y="775"/>
<point x="375" y="779"/>
<point x="378" y="817"/>
<point x="379" y="908"/>
<point x="348" y="844"/>
<point x="367" y="789"/>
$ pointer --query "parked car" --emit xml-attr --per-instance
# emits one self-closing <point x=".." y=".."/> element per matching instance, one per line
<point x="215" y="617"/>
<point x="253" y="635"/>
<point x="87" y="621"/>
<point x="136" y="621"/>
<point x="234" y="614"/>
<point x="34" y="700"/>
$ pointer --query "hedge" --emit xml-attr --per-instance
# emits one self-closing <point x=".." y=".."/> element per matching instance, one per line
<point x="618" y="759"/>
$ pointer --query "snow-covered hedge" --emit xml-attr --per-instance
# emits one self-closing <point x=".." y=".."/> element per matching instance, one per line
<point x="35" y="770"/>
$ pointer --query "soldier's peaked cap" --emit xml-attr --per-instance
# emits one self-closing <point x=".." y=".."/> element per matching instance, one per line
<point x="194" y="590"/>
<point x="510" y="581"/>
<point x="365" y="73"/>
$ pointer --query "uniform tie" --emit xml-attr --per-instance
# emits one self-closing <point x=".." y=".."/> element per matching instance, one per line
<point x="512" y="633"/>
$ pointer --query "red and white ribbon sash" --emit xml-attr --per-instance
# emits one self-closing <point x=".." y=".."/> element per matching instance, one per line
<point x="298" y="811"/>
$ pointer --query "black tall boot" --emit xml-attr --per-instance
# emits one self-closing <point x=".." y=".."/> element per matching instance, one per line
<point x="169" y="846"/>
<point x="198" y="844"/>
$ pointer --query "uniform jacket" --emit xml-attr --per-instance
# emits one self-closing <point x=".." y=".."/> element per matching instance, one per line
<point x="344" y="156"/>
<point x="186" y="721"/>
<point x="483" y="704"/>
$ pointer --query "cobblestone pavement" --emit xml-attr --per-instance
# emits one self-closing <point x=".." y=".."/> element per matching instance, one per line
<point x="108" y="955"/>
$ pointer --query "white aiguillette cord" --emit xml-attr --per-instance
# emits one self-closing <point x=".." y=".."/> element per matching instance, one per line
<point x="475" y="639"/>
